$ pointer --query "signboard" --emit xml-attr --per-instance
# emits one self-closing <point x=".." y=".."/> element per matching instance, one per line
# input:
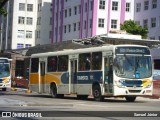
<point x="132" y="50"/>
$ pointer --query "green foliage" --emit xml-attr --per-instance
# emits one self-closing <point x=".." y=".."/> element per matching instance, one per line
<point x="131" y="27"/>
<point x="2" y="10"/>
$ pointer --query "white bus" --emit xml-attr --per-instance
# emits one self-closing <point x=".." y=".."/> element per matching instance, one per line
<point x="104" y="71"/>
<point x="5" y="73"/>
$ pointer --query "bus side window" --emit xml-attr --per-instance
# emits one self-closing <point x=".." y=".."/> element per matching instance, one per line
<point x="63" y="63"/>
<point x="34" y="65"/>
<point x="52" y="64"/>
<point x="84" y="61"/>
<point x="97" y="61"/>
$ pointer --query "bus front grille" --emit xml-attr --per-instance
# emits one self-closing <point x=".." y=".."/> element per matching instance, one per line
<point x="134" y="91"/>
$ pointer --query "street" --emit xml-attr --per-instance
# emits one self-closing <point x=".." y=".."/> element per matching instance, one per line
<point x="23" y="104"/>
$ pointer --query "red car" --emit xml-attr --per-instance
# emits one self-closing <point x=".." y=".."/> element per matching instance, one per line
<point x="20" y="82"/>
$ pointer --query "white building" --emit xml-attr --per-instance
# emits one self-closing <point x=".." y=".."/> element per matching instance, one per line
<point x="87" y="18"/>
<point x="27" y="24"/>
<point x="18" y="28"/>
<point x="147" y="14"/>
<point x="44" y="22"/>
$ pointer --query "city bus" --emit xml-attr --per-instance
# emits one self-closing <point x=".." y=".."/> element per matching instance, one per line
<point x="103" y="71"/>
<point x="5" y="73"/>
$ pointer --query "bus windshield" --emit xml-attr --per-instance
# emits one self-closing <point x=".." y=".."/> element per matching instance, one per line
<point x="127" y="66"/>
<point x="4" y="70"/>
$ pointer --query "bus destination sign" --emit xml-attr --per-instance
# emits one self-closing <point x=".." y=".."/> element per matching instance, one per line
<point x="132" y="50"/>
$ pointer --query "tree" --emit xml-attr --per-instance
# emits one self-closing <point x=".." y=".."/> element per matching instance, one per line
<point x="131" y="27"/>
<point x="3" y="10"/>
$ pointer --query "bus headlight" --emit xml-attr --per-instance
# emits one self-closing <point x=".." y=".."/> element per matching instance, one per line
<point x="149" y="85"/>
<point x="120" y="83"/>
<point x="8" y="81"/>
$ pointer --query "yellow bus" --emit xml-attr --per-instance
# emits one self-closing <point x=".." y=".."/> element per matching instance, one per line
<point x="104" y="71"/>
<point x="5" y="73"/>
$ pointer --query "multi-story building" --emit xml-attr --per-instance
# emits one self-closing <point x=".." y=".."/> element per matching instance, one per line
<point x="147" y="15"/>
<point x="44" y="22"/>
<point x="18" y="28"/>
<point x="27" y="24"/>
<point x="87" y="18"/>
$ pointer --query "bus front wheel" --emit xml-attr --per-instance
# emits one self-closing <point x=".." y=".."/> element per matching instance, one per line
<point x="97" y="93"/>
<point x="130" y="98"/>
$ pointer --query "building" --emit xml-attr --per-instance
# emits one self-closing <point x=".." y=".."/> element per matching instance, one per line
<point x="18" y="28"/>
<point x="25" y="21"/>
<point x="147" y="15"/>
<point x="44" y="22"/>
<point x="87" y="18"/>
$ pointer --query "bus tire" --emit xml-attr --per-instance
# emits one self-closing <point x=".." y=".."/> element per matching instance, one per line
<point x="82" y="97"/>
<point x="53" y="91"/>
<point x="130" y="98"/>
<point x="96" y="91"/>
<point x="4" y="89"/>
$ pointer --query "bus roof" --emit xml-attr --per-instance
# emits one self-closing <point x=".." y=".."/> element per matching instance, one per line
<point x="82" y="50"/>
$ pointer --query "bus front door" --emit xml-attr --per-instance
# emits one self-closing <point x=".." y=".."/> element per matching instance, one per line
<point x="108" y="74"/>
<point x="42" y="78"/>
<point x="73" y="75"/>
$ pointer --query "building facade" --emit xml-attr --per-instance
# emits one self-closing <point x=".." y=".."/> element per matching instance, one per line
<point x="147" y="15"/>
<point x="44" y="22"/>
<point x="87" y="18"/>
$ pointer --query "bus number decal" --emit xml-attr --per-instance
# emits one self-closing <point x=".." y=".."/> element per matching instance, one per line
<point x="82" y="78"/>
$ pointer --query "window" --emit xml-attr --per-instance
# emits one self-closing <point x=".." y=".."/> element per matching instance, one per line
<point x="50" y="34"/>
<point x="50" y="22"/>
<point x="38" y="20"/>
<point x="102" y="4"/>
<point x="30" y="7"/>
<point x="63" y="63"/>
<point x="91" y="7"/>
<point x="85" y="7"/>
<point x="78" y="25"/>
<point x="29" y="20"/>
<point x="65" y="13"/>
<point x="39" y="7"/>
<point x="145" y="23"/>
<point x="69" y="28"/>
<point x="153" y="22"/>
<point x="19" y="45"/>
<point x="79" y="9"/>
<point x="21" y="20"/>
<point x="27" y="45"/>
<point x="85" y="24"/>
<point x="52" y="64"/>
<point x="138" y="7"/>
<point x="74" y="26"/>
<point x="154" y="4"/>
<point x="101" y="22"/>
<point x="90" y="25"/>
<point x="114" y="6"/>
<point x="38" y="34"/>
<point x="21" y="7"/>
<point x="70" y="11"/>
<point x="28" y="34"/>
<point x="34" y="65"/>
<point x="20" y="34"/>
<point x="152" y="38"/>
<point x="84" y="61"/>
<point x="146" y="5"/>
<point x="158" y="37"/>
<point x="75" y="10"/>
<point x="127" y="7"/>
<point x="97" y="61"/>
<point x="114" y="24"/>
<point x="65" y="29"/>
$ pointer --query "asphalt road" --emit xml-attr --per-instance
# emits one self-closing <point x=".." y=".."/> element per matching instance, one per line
<point x="33" y="105"/>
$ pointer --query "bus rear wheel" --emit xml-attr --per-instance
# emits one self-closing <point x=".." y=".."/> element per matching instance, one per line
<point x="130" y="98"/>
<point x="97" y="93"/>
<point x="54" y="92"/>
